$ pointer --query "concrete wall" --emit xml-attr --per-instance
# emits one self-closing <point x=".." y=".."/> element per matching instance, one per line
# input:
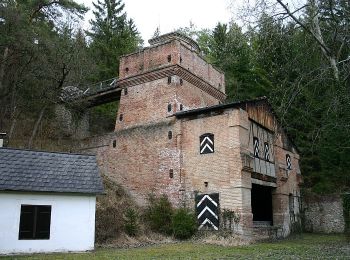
<point x="323" y="214"/>
<point x="72" y="223"/>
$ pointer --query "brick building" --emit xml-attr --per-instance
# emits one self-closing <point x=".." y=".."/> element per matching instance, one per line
<point x="174" y="136"/>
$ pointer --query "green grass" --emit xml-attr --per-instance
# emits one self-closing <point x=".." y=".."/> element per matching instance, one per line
<point x="307" y="246"/>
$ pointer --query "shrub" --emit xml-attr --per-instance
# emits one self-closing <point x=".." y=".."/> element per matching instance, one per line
<point x="131" y="225"/>
<point x="159" y="214"/>
<point x="184" y="223"/>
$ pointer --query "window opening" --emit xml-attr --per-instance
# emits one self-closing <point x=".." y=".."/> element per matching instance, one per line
<point x="170" y="134"/>
<point x="169" y="107"/>
<point x="181" y="82"/>
<point x="35" y="222"/>
<point x="125" y="91"/>
<point x="114" y="143"/>
<point x="181" y="107"/>
<point x="169" y="58"/>
<point x="121" y="117"/>
<point x="169" y="80"/>
<point x="171" y="173"/>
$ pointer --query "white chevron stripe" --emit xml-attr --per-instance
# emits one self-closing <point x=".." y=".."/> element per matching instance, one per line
<point x="208" y="221"/>
<point x="206" y="138"/>
<point x="206" y="146"/>
<point x="206" y="197"/>
<point x="206" y="208"/>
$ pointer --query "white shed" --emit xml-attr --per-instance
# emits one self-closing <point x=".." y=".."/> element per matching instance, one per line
<point x="47" y="201"/>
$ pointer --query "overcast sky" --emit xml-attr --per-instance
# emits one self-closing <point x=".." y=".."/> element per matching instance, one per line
<point x="172" y="14"/>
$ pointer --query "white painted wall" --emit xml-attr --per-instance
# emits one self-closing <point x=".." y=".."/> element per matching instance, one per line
<point x="72" y="223"/>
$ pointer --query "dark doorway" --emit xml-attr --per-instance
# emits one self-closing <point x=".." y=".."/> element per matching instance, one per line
<point x="262" y="203"/>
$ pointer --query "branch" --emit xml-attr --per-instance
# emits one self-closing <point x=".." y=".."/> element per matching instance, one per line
<point x="291" y="14"/>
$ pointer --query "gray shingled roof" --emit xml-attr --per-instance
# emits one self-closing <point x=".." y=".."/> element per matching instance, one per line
<point x="25" y="170"/>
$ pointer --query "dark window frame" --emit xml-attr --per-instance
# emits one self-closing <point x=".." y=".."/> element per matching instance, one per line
<point x="35" y="222"/>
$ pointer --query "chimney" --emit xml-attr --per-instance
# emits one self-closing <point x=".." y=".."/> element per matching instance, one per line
<point x="2" y="139"/>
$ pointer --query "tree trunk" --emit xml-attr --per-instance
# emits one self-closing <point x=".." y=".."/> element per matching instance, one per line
<point x="35" y="129"/>
<point x="2" y="68"/>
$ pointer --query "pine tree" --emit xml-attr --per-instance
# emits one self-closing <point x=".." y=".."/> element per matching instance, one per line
<point x="112" y="35"/>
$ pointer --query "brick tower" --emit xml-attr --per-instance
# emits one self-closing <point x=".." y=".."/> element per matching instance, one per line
<point x="158" y="81"/>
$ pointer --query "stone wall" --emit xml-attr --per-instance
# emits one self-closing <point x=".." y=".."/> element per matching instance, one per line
<point x="323" y="214"/>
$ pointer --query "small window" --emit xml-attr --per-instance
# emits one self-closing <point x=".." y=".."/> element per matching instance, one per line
<point x="180" y="59"/>
<point x="206" y="184"/>
<point x="169" y="80"/>
<point x="35" y="222"/>
<point x="121" y="117"/>
<point x="169" y="58"/>
<point x="170" y="135"/>
<point x="288" y="162"/>
<point x="125" y="91"/>
<point x="181" y="107"/>
<point x="169" y="107"/>
<point x="171" y="173"/>
<point x="206" y="143"/>
<point x="181" y="82"/>
<point x="266" y="151"/>
<point x="114" y="143"/>
<point x="256" y="146"/>
<point x="126" y="69"/>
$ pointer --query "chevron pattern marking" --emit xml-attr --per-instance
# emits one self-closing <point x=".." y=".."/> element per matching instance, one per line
<point x="267" y="151"/>
<point x="207" y="209"/>
<point x="206" y="143"/>
<point x="288" y="162"/>
<point x="256" y="146"/>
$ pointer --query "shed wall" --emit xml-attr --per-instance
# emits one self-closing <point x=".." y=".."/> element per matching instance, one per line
<point x="72" y="223"/>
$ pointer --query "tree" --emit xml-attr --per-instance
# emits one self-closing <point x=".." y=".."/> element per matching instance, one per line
<point x="112" y="35"/>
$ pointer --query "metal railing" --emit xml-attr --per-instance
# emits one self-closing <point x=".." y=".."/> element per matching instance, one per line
<point x="73" y="93"/>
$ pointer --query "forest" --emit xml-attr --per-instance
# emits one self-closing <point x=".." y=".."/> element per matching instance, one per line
<point x="299" y="57"/>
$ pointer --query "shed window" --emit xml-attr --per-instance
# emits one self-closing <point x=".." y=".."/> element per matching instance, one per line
<point x="181" y="107"/>
<point x="121" y="117"/>
<point x="170" y="135"/>
<point x="256" y="146"/>
<point x="288" y="162"/>
<point x="35" y="222"/>
<point x="169" y="80"/>
<point x="169" y="58"/>
<point x="114" y="143"/>
<point x="206" y="143"/>
<point x="181" y="82"/>
<point x="125" y="91"/>
<point x="169" y="107"/>
<point x="171" y="173"/>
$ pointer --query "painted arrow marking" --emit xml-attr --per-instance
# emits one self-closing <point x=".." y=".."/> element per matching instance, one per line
<point x="206" y="139"/>
<point x="207" y="146"/>
<point x="206" y="197"/>
<point x="208" y="221"/>
<point x="206" y="208"/>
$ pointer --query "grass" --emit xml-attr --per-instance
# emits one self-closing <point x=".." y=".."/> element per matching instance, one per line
<point x="306" y="246"/>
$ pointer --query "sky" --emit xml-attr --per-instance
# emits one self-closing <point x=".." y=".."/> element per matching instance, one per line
<point x="172" y="14"/>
